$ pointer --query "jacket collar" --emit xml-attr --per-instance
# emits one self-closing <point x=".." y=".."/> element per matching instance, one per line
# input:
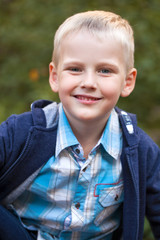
<point x="128" y="123"/>
<point x="129" y="159"/>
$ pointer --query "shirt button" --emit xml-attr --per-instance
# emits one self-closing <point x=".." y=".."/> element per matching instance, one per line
<point x="77" y="205"/>
<point x="77" y="151"/>
<point x="116" y="197"/>
<point x="84" y="169"/>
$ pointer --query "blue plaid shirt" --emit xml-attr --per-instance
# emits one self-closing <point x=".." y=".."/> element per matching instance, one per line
<point x="73" y="197"/>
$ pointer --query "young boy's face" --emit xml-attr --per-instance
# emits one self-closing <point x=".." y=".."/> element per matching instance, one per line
<point x="90" y="77"/>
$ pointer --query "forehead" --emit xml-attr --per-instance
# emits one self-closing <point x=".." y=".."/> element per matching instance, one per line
<point x="84" y="44"/>
<point x="84" y="33"/>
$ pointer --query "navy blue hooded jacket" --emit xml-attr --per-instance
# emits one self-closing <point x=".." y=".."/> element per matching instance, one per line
<point x="26" y="143"/>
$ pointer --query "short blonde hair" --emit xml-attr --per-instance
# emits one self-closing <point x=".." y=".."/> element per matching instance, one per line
<point x="98" y="23"/>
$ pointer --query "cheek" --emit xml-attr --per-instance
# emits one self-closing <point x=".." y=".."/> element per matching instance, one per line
<point x="65" y="87"/>
<point x="111" y="91"/>
<point x="112" y="88"/>
<point x="67" y="83"/>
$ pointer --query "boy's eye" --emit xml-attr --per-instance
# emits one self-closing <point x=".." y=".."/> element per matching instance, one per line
<point x="104" y="71"/>
<point x="75" y="69"/>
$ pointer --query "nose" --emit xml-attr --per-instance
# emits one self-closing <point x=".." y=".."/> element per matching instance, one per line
<point x="89" y="80"/>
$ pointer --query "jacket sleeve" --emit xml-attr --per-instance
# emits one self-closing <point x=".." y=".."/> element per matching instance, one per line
<point x="153" y="189"/>
<point x="6" y="140"/>
<point x="13" y="134"/>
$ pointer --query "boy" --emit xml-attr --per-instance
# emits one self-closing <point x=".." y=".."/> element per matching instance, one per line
<point x="81" y="169"/>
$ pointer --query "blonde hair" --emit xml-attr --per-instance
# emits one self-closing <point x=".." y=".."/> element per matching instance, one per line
<point x="98" y="23"/>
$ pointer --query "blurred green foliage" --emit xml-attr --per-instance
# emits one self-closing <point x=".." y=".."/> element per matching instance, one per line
<point x="26" y="34"/>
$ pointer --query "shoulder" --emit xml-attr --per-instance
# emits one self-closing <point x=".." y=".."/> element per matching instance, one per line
<point x="138" y="141"/>
<point x="14" y="132"/>
<point x="21" y="122"/>
<point x="148" y="149"/>
<point x="35" y="117"/>
<point x="38" y="117"/>
<point x="132" y="131"/>
<point x="17" y="126"/>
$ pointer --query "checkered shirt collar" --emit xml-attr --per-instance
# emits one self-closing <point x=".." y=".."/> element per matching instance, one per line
<point x="110" y="139"/>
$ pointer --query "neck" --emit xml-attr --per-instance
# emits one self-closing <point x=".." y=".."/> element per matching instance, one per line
<point x="88" y="135"/>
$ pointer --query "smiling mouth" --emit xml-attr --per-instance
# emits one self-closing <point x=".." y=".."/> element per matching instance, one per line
<point x="87" y="98"/>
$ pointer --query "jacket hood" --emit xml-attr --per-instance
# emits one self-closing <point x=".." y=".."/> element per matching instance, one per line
<point x="45" y="113"/>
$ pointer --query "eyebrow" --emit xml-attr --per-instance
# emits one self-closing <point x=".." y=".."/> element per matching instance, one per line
<point x="110" y="65"/>
<point x="68" y="63"/>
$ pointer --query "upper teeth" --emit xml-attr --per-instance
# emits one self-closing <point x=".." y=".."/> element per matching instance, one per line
<point x="87" y="98"/>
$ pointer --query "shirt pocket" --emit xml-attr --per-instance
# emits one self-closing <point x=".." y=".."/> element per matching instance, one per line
<point x="109" y="200"/>
<point x="111" y="196"/>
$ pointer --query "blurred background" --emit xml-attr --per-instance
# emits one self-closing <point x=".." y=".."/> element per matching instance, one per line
<point x="26" y="42"/>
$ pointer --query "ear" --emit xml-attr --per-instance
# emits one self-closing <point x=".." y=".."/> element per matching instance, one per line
<point x="129" y="83"/>
<point x="53" y="78"/>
